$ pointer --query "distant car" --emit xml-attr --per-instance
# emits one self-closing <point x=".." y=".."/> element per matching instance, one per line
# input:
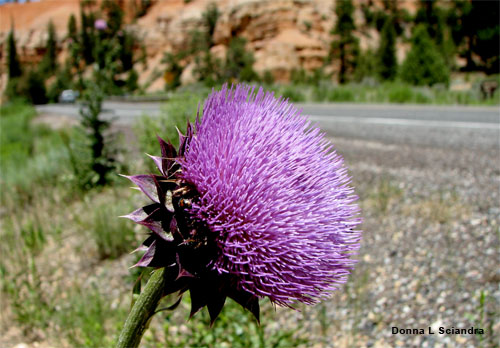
<point x="68" y="96"/>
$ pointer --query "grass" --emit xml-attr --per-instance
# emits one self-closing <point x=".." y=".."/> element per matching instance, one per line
<point x="484" y="317"/>
<point x="383" y="196"/>
<point x="113" y="236"/>
<point x="386" y="92"/>
<point x="371" y="91"/>
<point x="439" y="207"/>
<point x="30" y="155"/>
<point x="45" y="221"/>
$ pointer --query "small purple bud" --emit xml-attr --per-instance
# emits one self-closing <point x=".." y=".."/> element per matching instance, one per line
<point x="100" y="24"/>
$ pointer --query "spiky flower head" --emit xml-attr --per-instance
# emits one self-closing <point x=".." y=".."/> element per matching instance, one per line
<point x="255" y="204"/>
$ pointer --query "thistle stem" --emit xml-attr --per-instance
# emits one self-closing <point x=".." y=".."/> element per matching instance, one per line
<point x="142" y="311"/>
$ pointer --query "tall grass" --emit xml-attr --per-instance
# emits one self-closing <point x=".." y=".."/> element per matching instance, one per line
<point x="30" y="156"/>
<point x="44" y="219"/>
<point x="113" y="236"/>
<point x="386" y="92"/>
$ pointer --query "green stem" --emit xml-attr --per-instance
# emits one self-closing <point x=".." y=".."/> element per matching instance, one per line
<point x="142" y="311"/>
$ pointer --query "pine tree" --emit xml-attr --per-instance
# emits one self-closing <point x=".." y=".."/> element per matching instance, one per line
<point x="432" y="16"/>
<point x="345" y="49"/>
<point x="102" y="161"/>
<point x="49" y="62"/>
<point x="72" y="29"/>
<point x="14" y="66"/>
<point x="87" y="35"/>
<point x="486" y="45"/>
<point x="387" y="62"/>
<point x="115" y="15"/>
<point x="475" y="31"/>
<point x="424" y="64"/>
<point x="210" y="18"/>
<point x="74" y="46"/>
<point x="239" y="62"/>
<point x="174" y="70"/>
<point x="127" y="42"/>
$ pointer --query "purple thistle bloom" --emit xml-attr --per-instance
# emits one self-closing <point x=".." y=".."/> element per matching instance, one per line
<point x="275" y="194"/>
<point x="100" y="24"/>
<point x="254" y="204"/>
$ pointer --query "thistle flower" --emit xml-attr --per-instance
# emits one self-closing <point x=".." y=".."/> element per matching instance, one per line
<point x="100" y="24"/>
<point x="256" y="203"/>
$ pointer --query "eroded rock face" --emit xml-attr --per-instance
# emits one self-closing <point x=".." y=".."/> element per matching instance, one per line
<point x="283" y="34"/>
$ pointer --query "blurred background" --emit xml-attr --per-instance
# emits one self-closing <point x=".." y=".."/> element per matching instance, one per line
<point x="406" y="90"/>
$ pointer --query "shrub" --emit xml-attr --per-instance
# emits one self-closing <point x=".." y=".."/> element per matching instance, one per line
<point x="267" y="77"/>
<point x="294" y="94"/>
<point x="31" y="85"/>
<point x="424" y="65"/>
<point x="366" y="66"/>
<point x="239" y="62"/>
<point x="113" y="237"/>
<point x="340" y="95"/>
<point x="401" y="94"/>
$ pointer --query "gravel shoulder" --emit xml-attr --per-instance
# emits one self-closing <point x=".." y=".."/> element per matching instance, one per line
<point x="430" y="252"/>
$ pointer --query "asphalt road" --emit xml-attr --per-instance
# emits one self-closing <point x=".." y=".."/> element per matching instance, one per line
<point x="422" y="124"/>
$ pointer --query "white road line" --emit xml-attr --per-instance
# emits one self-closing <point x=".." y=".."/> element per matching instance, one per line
<point x="406" y="122"/>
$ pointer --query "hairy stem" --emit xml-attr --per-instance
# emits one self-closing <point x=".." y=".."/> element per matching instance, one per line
<point x="143" y="309"/>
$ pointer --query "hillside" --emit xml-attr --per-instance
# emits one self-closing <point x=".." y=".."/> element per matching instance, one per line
<point x="282" y="34"/>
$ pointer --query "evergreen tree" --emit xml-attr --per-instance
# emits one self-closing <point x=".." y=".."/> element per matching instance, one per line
<point x="206" y="66"/>
<point x="387" y="62"/>
<point x="32" y="86"/>
<point x="486" y="45"/>
<point x="87" y="37"/>
<point x="239" y="62"/>
<point x="345" y="48"/>
<point x="458" y="19"/>
<point x="74" y="46"/>
<point x="210" y="18"/>
<point x="114" y="14"/>
<point x="132" y="80"/>
<point x="72" y="28"/>
<point x="174" y="70"/>
<point x="127" y="42"/>
<point x="432" y="16"/>
<point x="102" y="161"/>
<point x="49" y="62"/>
<point x="14" y="66"/>
<point x="424" y="64"/>
<point x="366" y="66"/>
<point x="475" y="30"/>
<point x="64" y="80"/>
